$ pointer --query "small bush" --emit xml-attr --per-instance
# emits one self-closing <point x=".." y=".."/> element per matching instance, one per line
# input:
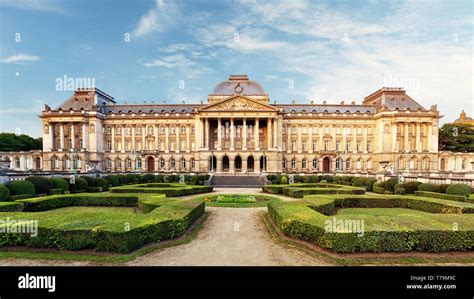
<point x="122" y="179"/>
<point x="358" y="182"/>
<point x="147" y="178"/>
<point x="369" y="182"/>
<point x="90" y="180"/>
<point x="441" y="188"/>
<point x="94" y="189"/>
<point x="113" y="180"/>
<point x="426" y="187"/>
<point x="102" y="183"/>
<point x="4" y="193"/>
<point x="411" y="187"/>
<point x="81" y="185"/>
<point x="390" y="184"/>
<point x="378" y="187"/>
<point x="21" y="187"/>
<point x="132" y="178"/>
<point x="42" y="184"/>
<point x="284" y="180"/>
<point x="444" y="196"/>
<point x="313" y="179"/>
<point x="60" y="184"/>
<point x="159" y="178"/>
<point x="459" y="189"/>
<point x="327" y="178"/>
<point x="400" y="190"/>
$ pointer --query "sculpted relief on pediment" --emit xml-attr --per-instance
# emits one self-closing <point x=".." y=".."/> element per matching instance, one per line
<point x="239" y="104"/>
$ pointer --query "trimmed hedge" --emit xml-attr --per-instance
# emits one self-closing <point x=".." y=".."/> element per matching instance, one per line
<point x="88" y="179"/>
<point x="426" y="187"/>
<point x="102" y="183"/>
<point x="20" y="196"/>
<point x="10" y="206"/>
<point x="60" y="184"/>
<point x="459" y="189"/>
<point x="94" y="189"/>
<point x="390" y="184"/>
<point x="307" y="220"/>
<point x="165" y="220"/>
<point x="81" y="185"/>
<point x="4" y="193"/>
<point x="444" y="196"/>
<point x="55" y="191"/>
<point x="300" y="190"/>
<point x="113" y="180"/>
<point x="21" y="187"/>
<point x="42" y="184"/>
<point x="441" y="188"/>
<point x="170" y="190"/>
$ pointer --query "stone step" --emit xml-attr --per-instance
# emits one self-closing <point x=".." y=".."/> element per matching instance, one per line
<point x="237" y="181"/>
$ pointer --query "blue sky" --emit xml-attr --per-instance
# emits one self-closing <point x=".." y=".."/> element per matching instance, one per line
<point x="298" y="50"/>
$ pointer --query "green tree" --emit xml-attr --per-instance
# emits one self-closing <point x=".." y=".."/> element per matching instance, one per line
<point x="456" y="137"/>
<point x="11" y="142"/>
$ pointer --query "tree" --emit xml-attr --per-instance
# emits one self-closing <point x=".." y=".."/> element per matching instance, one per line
<point x="456" y="137"/>
<point x="10" y="142"/>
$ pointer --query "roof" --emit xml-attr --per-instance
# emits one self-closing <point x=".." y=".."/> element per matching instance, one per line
<point x="310" y="108"/>
<point x="152" y="108"/>
<point x="393" y="98"/>
<point x="238" y="84"/>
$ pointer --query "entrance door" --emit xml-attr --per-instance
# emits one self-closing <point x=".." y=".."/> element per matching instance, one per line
<point x="238" y="164"/>
<point x="326" y="164"/>
<point x="38" y="163"/>
<point x="225" y="163"/>
<point x="250" y="164"/>
<point x="150" y="164"/>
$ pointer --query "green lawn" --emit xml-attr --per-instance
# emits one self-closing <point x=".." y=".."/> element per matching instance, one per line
<point x="238" y="200"/>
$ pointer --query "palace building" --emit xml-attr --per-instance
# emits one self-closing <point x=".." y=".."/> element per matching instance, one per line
<point x="240" y="130"/>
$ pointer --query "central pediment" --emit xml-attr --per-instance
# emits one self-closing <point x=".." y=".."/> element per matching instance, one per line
<point x="239" y="103"/>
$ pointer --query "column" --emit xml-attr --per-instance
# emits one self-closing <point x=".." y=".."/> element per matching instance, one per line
<point x="219" y="135"/>
<point x="188" y="138"/>
<point x="112" y="149"/>
<point x="418" y="140"/>
<point x="51" y="136"/>
<point x="275" y="133"/>
<point x="244" y="164"/>
<point x="321" y="134"/>
<point x="244" y="142"/>
<point x="85" y="137"/>
<point x="269" y="133"/>
<point x="365" y="139"/>
<point x="73" y="135"/>
<point x="344" y="139"/>
<point x="144" y="132"/>
<point x="288" y="138"/>
<point x="310" y="139"/>
<point x="429" y="137"/>
<point x="256" y="166"/>
<point x="123" y="139"/>
<point x="299" y="139"/>
<point x="232" y="165"/>
<point x="133" y="138"/>
<point x="354" y="138"/>
<point x="167" y="138"/>
<point x="219" y="164"/>
<point x="206" y="135"/>
<point x="279" y="142"/>
<point x="61" y="137"/>
<point x="257" y="135"/>
<point x="405" y="144"/>
<point x="232" y="135"/>
<point x="178" y="131"/>
<point x="394" y="137"/>
<point x="157" y="138"/>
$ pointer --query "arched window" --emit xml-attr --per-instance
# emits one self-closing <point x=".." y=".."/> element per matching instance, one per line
<point x="369" y="164"/>
<point x="359" y="164"/>
<point x="339" y="164"/>
<point x="118" y="163"/>
<point x="182" y="163"/>
<point x="162" y="163"/>
<point x="128" y="163"/>
<point x="401" y="163"/>
<point x="303" y="164"/>
<point x="315" y="163"/>
<point x="283" y="164"/>
<point x="348" y="165"/>
<point x="443" y="164"/>
<point x="108" y="162"/>
<point x="293" y="163"/>
<point x="54" y="162"/>
<point x="193" y="163"/>
<point x="172" y="163"/>
<point x="425" y="164"/>
<point x="138" y="162"/>
<point x="463" y="164"/>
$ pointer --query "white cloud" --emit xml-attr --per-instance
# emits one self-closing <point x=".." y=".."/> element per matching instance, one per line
<point x="19" y="58"/>
<point x="38" y="5"/>
<point x="156" y="19"/>
<point x="190" y="68"/>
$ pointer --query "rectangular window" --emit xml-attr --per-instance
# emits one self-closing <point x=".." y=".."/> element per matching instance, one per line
<point x="183" y="129"/>
<point x="303" y="145"/>
<point x="315" y="145"/>
<point x="293" y="145"/>
<point x="326" y="145"/>
<point x="109" y="130"/>
<point x="369" y="145"/>
<point x="338" y="145"/>
<point x="348" y="145"/>
<point x="359" y="145"/>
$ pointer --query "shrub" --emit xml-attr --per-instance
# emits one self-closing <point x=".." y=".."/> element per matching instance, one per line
<point x="159" y="178"/>
<point x="400" y="190"/>
<point x="21" y="187"/>
<point x="113" y="180"/>
<point x="378" y="187"/>
<point x="444" y="196"/>
<point x="122" y="179"/>
<point x="358" y="182"/>
<point x="313" y="179"/>
<point x="284" y="180"/>
<point x="390" y="184"/>
<point x="90" y="180"/>
<point x="81" y="185"/>
<point x="327" y="178"/>
<point x="168" y="178"/>
<point x="411" y="187"/>
<point x="426" y="187"/>
<point x="42" y="184"/>
<point x="459" y="189"/>
<point x="102" y="183"/>
<point x="369" y="182"/>
<point x="132" y="178"/>
<point x="147" y="178"/>
<point x="20" y="196"/>
<point x="4" y="193"/>
<point x="441" y="188"/>
<point x="60" y="184"/>
<point x="55" y="191"/>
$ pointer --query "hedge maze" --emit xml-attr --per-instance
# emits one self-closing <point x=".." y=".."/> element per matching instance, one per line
<point x="392" y="223"/>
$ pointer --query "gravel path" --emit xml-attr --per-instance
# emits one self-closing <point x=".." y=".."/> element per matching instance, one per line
<point x="230" y="237"/>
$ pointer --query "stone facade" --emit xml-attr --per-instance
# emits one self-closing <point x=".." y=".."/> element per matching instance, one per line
<point x="239" y="131"/>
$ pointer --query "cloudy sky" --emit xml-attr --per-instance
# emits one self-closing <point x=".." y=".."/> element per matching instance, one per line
<point x="178" y="51"/>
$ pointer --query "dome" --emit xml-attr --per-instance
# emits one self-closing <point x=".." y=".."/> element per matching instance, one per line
<point x="238" y="84"/>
